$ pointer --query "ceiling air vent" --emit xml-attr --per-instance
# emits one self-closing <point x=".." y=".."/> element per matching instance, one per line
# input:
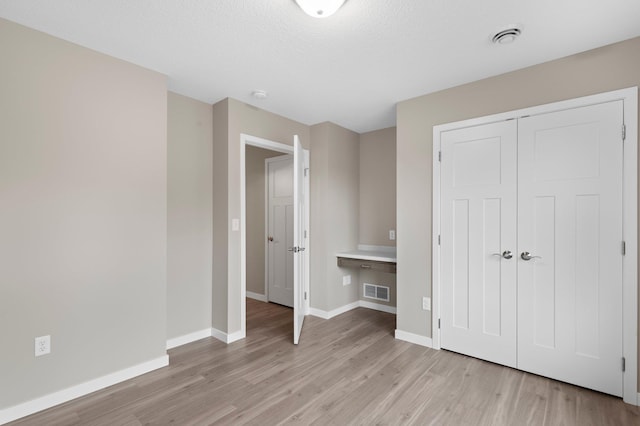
<point x="377" y="292"/>
<point x="507" y="36"/>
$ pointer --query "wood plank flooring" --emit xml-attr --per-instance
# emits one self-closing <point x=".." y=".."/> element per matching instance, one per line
<point x="347" y="370"/>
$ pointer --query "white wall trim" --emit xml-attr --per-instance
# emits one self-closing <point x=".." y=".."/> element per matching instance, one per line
<point x="261" y="143"/>
<point x="188" y="338"/>
<point x="346" y="308"/>
<point x="414" y="338"/>
<point x="629" y="97"/>
<point x="227" y="338"/>
<point x="234" y="337"/>
<point x="319" y="313"/>
<point x="30" y="407"/>
<point x="378" y="307"/>
<point x="257" y="296"/>
<point x="220" y="335"/>
<point x="330" y="314"/>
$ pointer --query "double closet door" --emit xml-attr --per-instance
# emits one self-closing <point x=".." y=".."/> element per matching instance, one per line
<point x="531" y="244"/>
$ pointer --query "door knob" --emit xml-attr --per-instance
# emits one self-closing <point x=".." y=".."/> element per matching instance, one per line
<point x="525" y="255"/>
<point x="505" y="254"/>
<point x="270" y="239"/>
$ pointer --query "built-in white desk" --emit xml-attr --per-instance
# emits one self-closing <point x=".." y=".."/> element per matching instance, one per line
<point x="373" y="258"/>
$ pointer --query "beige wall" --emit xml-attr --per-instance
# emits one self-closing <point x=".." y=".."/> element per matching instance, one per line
<point x="221" y="223"/>
<point x="334" y="213"/>
<point x="256" y="212"/>
<point x="83" y="184"/>
<point x="609" y="68"/>
<point x="240" y="118"/>
<point x="189" y="212"/>
<point x="377" y="187"/>
<point x="377" y="202"/>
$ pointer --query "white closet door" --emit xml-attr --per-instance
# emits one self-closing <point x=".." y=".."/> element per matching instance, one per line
<point x="570" y="214"/>
<point x="478" y="193"/>
<point x="281" y="233"/>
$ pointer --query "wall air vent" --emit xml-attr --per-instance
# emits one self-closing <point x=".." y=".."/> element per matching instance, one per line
<point x="377" y="292"/>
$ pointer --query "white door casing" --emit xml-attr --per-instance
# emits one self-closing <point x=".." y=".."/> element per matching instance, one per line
<point x="584" y="202"/>
<point x="299" y="238"/>
<point x="479" y="241"/>
<point x="280" y="230"/>
<point x="570" y="214"/>
<point x="241" y="300"/>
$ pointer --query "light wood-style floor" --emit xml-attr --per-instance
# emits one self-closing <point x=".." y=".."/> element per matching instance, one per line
<point x="347" y="370"/>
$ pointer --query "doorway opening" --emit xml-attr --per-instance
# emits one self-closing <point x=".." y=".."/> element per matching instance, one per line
<point x="256" y="155"/>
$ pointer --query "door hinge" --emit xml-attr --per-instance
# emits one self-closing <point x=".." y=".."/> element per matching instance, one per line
<point x="305" y="295"/>
<point x="439" y="155"/>
<point x="624" y="364"/>
<point x="624" y="131"/>
<point x="438" y="323"/>
<point x="305" y="233"/>
<point x="306" y="171"/>
<point x="438" y="239"/>
<point x="624" y="248"/>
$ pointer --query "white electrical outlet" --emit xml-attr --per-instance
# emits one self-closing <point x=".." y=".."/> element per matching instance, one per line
<point x="346" y="279"/>
<point x="392" y="234"/>
<point x="426" y="303"/>
<point x="43" y="345"/>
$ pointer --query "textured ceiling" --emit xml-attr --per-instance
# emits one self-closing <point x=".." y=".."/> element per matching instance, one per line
<point x="351" y="68"/>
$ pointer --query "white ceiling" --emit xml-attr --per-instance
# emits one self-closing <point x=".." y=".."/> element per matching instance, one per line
<point x="351" y="68"/>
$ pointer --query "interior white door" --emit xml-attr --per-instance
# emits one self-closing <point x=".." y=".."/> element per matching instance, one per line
<point x="570" y="215"/>
<point x="280" y="231"/>
<point x="298" y="247"/>
<point x="478" y="241"/>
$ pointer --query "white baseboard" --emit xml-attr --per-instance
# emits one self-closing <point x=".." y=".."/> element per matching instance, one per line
<point x="330" y="314"/>
<point x="30" y="407"/>
<point x="188" y="338"/>
<point x="227" y="338"/>
<point x="358" y="304"/>
<point x="257" y="296"/>
<point x="319" y="313"/>
<point x="378" y="307"/>
<point x="220" y="335"/>
<point x="414" y="338"/>
<point x="238" y="335"/>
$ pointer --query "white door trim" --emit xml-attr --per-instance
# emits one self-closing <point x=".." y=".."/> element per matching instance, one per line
<point x="629" y="97"/>
<point x="285" y="149"/>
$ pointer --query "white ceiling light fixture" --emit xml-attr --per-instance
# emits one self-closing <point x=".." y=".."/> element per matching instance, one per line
<point x="320" y="8"/>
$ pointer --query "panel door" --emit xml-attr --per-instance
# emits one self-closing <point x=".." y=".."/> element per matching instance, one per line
<point x="570" y="215"/>
<point x="280" y="220"/>
<point x="478" y="225"/>
<point x="298" y="249"/>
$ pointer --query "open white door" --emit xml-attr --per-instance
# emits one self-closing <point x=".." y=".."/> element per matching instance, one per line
<point x="298" y="248"/>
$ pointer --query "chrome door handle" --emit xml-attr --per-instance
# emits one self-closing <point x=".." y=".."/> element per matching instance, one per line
<point x="525" y="255"/>
<point x="505" y="254"/>
<point x="293" y="249"/>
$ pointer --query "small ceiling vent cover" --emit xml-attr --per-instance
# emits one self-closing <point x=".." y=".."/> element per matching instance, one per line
<point x="507" y="36"/>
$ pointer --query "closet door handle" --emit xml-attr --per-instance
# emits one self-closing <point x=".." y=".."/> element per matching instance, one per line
<point x="525" y="255"/>
<point x="505" y="254"/>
